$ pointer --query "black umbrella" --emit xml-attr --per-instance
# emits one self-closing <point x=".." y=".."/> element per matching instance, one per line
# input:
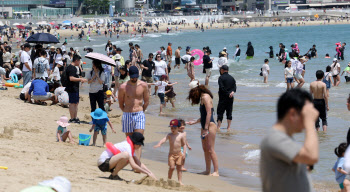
<point x="43" y="38"/>
<point x="29" y="28"/>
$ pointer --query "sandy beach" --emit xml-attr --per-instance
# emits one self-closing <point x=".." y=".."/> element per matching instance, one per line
<point x="31" y="153"/>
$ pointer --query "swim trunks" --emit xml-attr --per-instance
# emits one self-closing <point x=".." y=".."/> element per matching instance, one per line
<point x="208" y="72"/>
<point x="101" y="128"/>
<point x="175" y="159"/>
<point x="177" y="61"/>
<point x="320" y="105"/>
<point x="132" y="121"/>
<point x="237" y="58"/>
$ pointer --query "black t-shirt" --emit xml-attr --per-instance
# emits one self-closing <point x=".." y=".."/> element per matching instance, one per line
<point x="52" y="55"/>
<point x="1" y="60"/>
<point x="171" y="93"/>
<point x="72" y="87"/>
<point x="150" y="66"/>
<point x="206" y="60"/>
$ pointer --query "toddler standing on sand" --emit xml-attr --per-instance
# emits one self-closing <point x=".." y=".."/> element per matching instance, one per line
<point x="338" y="168"/>
<point x="183" y="149"/>
<point x="99" y="123"/>
<point x="62" y="132"/>
<point x="176" y="141"/>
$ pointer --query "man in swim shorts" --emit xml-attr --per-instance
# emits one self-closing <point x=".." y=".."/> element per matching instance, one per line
<point x="133" y="101"/>
<point x="177" y="57"/>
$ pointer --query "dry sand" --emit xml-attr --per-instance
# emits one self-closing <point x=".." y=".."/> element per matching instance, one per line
<point x="30" y="151"/>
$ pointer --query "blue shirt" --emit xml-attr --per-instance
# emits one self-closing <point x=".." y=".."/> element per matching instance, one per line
<point x="339" y="177"/>
<point x="100" y="122"/>
<point x="39" y="87"/>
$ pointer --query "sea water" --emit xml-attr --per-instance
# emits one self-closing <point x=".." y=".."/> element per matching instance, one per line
<point x="254" y="109"/>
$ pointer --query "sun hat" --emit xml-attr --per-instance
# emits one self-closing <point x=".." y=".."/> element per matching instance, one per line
<point x="109" y="92"/>
<point x="52" y="47"/>
<point x="175" y="123"/>
<point x="137" y="138"/>
<point x="193" y="84"/>
<point x="60" y="63"/>
<point x="133" y="72"/>
<point x="99" y="114"/>
<point x="117" y="56"/>
<point x="59" y="184"/>
<point x="63" y="122"/>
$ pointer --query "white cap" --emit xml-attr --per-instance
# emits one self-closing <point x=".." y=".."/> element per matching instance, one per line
<point x="60" y="63"/>
<point x="117" y="56"/>
<point x="224" y="48"/>
<point x="335" y="59"/>
<point x="193" y="84"/>
<point x="60" y="184"/>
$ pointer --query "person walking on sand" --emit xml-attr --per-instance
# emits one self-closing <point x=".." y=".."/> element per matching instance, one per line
<point x="318" y="90"/>
<point x="283" y="159"/>
<point x="227" y="89"/>
<point x="133" y="97"/>
<point x="27" y="64"/>
<point x="177" y="57"/>
<point x="266" y="70"/>
<point x="72" y="88"/>
<point x="199" y="94"/>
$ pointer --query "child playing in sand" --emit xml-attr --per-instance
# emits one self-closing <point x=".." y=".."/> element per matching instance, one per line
<point x="338" y="168"/>
<point x="62" y="132"/>
<point x="108" y="101"/>
<point x="176" y="141"/>
<point x="182" y="130"/>
<point x="99" y="123"/>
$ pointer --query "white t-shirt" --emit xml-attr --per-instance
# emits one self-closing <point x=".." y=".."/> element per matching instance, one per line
<point x="222" y="61"/>
<point x="160" y="67"/>
<point x="45" y="62"/>
<point x="16" y="71"/>
<point x="163" y="54"/>
<point x="63" y="48"/>
<point x="289" y="71"/>
<point x="294" y="64"/>
<point x="7" y="57"/>
<point x="186" y="57"/>
<point x="25" y="58"/>
<point x="26" y="88"/>
<point x="58" y="58"/>
<point x="161" y="86"/>
<point x="335" y="69"/>
<point x="265" y="68"/>
<point x="56" y="73"/>
<point x="122" y="147"/>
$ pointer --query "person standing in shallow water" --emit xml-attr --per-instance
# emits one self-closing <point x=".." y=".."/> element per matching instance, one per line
<point x="199" y="94"/>
<point x="250" y="51"/>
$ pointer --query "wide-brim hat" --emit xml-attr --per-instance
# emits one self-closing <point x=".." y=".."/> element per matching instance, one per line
<point x="59" y="184"/>
<point x="99" y="114"/>
<point x="63" y="122"/>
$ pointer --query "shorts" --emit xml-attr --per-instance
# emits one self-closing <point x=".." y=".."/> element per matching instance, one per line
<point x="298" y="76"/>
<point x="104" y="167"/>
<point x="237" y="58"/>
<point x="208" y="72"/>
<point x="172" y="99"/>
<point x="156" y="77"/>
<point x="161" y="97"/>
<point x="334" y="76"/>
<point x="347" y="79"/>
<point x="175" y="159"/>
<point x="177" y="61"/>
<point x="132" y="121"/>
<point x="22" y="96"/>
<point x="265" y="74"/>
<point x="101" y="128"/>
<point x="42" y="97"/>
<point x="225" y="105"/>
<point x="73" y="98"/>
<point x="147" y="79"/>
<point x="290" y="80"/>
<point x="249" y="57"/>
<point x="341" y="185"/>
<point x="184" y="61"/>
<point x="169" y="58"/>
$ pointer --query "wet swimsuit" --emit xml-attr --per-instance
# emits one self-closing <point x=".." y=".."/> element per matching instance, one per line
<point x="203" y="112"/>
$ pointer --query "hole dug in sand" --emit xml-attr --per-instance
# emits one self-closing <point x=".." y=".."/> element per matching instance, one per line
<point x="166" y="184"/>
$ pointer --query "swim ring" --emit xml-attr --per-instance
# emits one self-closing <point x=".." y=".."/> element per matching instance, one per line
<point x="112" y="148"/>
<point x="11" y="84"/>
<point x="200" y="54"/>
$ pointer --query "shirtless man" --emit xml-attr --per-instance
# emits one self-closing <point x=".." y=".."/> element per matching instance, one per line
<point x="139" y="54"/>
<point x="133" y="101"/>
<point x="177" y="57"/>
<point x="318" y="90"/>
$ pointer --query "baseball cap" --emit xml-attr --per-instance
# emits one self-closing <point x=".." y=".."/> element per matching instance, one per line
<point x="188" y="48"/>
<point x="117" y="56"/>
<point x="224" y="48"/>
<point x="193" y="84"/>
<point x="137" y="138"/>
<point x="133" y="72"/>
<point x="224" y="67"/>
<point x="175" y="123"/>
<point x="109" y="92"/>
<point x="335" y="59"/>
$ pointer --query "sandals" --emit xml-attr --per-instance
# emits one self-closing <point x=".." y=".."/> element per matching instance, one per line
<point x="115" y="177"/>
<point x="3" y="88"/>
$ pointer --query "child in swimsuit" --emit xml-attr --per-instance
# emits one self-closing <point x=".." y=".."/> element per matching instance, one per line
<point x="62" y="132"/>
<point x="176" y="141"/>
<point x="338" y="168"/>
<point x="182" y="130"/>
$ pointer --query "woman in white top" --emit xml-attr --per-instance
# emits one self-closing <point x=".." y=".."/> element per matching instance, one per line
<point x="96" y="79"/>
<point x="288" y="75"/>
<point x="266" y="70"/>
<point x="222" y="60"/>
<point x="7" y="56"/>
<point x="335" y="68"/>
<point x="56" y="76"/>
<point x="58" y="56"/>
<point x="160" y="68"/>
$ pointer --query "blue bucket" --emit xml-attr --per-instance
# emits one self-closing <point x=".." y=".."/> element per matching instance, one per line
<point x="84" y="139"/>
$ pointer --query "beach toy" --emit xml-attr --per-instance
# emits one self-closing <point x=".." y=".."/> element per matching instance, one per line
<point x="14" y="78"/>
<point x="112" y="148"/>
<point x="20" y="86"/>
<point x="2" y="167"/>
<point x="84" y="63"/>
<point x="84" y="139"/>
<point x="11" y="84"/>
<point x="200" y="54"/>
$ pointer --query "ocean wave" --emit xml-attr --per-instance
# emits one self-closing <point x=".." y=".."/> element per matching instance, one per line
<point x="152" y="35"/>
<point x="252" y="155"/>
<point x="253" y="174"/>
<point x="253" y="84"/>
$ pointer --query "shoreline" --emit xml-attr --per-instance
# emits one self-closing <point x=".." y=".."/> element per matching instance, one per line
<point x="39" y="157"/>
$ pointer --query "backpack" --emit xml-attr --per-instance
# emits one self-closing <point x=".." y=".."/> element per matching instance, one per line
<point x="64" y="78"/>
<point x="40" y="67"/>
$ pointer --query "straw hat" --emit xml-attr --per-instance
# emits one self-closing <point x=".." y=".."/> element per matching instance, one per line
<point x="52" y="47"/>
<point x="63" y="122"/>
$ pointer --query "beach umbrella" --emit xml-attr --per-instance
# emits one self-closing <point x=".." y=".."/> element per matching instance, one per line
<point x="44" y="38"/>
<point x="20" y="26"/>
<point x="51" y="23"/>
<point x="29" y="28"/>
<point x="42" y="23"/>
<point x="235" y="19"/>
<point x="177" y="8"/>
<point x="15" y="24"/>
<point x="66" y="22"/>
<point x="101" y="57"/>
<point x="119" y="20"/>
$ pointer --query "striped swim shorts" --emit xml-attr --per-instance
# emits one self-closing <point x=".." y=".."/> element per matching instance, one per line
<point x="132" y="121"/>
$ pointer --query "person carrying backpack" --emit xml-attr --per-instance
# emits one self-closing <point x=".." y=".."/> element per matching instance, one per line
<point x="41" y="67"/>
